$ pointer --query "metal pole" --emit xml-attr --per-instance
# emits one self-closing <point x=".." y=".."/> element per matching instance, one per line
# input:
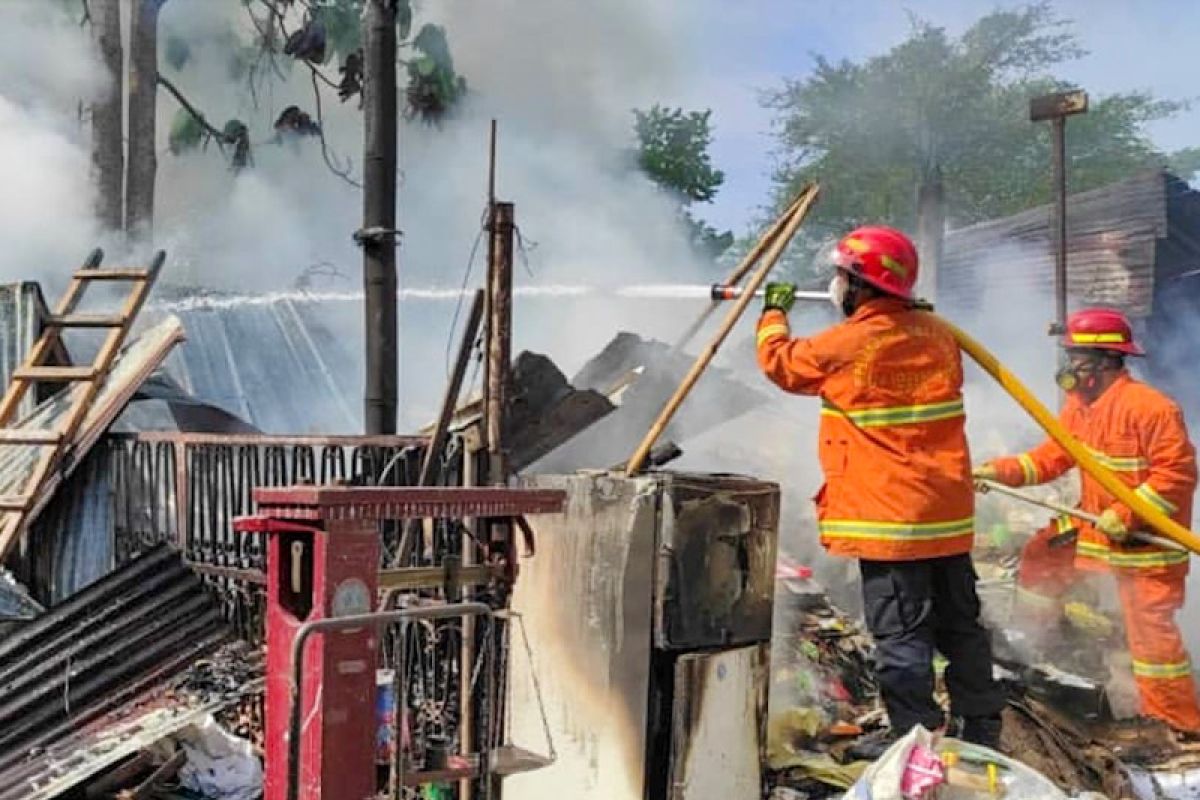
<point x="378" y="234"/>
<point x="499" y="353"/>
<point x="1059" y="132"/>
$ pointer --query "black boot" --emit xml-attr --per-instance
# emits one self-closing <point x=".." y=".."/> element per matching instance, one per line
<point x="871" y="746"/>
<point x="983" y="731"/>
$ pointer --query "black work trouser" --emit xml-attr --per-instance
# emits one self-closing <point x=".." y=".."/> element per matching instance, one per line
<point x="913" y="608"/>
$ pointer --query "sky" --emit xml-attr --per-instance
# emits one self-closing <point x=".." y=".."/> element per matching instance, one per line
<point x="751" y="46"/>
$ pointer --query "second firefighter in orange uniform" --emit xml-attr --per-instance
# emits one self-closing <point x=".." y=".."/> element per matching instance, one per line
<point x="1139" y="434"/>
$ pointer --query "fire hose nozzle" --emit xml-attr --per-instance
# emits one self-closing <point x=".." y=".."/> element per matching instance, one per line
<point x="720" y="292"/>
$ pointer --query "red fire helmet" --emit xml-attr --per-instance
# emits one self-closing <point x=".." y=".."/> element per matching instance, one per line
<point x="1101" y="329"/>
<point x="883" y="257"/>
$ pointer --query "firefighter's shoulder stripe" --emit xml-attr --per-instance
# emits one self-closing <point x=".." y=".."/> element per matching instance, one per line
<point x="896" y="415"/>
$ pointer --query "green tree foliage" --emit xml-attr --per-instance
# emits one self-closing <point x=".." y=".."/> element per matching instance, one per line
<point x="872" y="130"/>
<point x="672" y="150"/>
<point x="328" y="41"/>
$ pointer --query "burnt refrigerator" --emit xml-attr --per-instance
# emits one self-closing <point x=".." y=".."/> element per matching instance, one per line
<point x="640" y="656"/>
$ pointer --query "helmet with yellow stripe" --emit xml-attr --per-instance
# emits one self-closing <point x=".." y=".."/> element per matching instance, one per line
<point x="883" y="257"/>
<point x="1101" y="329"/>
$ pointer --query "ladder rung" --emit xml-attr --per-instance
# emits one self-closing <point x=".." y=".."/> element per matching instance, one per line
<point x="86" y="321"/>
<point x="54" y="374"/>
<point x="14" y="503"/>
<point x="30" y="436"/>
<point x="112" y="274"/>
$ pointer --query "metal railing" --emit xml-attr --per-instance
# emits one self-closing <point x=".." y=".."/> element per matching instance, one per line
<point x="187" y="489"/>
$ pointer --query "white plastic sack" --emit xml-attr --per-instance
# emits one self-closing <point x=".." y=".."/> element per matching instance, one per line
<point x="219" y="765"/>
<point x="883" y="779"/>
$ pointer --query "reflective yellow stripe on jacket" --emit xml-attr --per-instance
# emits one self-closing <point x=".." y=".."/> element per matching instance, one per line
<point x="1179" y="669"/>
<point x="1028" y="469"/>
<point x="1147" y="493"/>
<point x="1130" y="559"/>
<point x="1120" y="463"/>
<point x="895" y="531"/>
<point x="771" y="331"/>
<point x="896" y="415"/>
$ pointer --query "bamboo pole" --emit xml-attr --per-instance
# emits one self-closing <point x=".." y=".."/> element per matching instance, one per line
<point x="744" y="266"/>
<point x="778" y="244"/>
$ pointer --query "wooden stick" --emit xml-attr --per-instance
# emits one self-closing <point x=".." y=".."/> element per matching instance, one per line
<point x="747" y="263"/>
<point x="778" y="244"/>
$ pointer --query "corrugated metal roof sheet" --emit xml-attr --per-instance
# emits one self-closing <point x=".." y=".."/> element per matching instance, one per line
<point x="1112" y="237"/>
<point x="131" y="631"/>
<point x="271" y="363"/>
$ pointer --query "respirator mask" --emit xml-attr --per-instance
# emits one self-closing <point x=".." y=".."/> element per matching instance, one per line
<point x="1080" y="372"/>
<point x="841" y="294"/>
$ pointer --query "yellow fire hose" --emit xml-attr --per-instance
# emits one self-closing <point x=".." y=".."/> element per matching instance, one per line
<point x="1086" y="461"/>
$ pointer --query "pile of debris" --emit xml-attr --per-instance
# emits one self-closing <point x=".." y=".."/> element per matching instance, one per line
<point x="91" y="689"/>
<point x="1058" y="724"/>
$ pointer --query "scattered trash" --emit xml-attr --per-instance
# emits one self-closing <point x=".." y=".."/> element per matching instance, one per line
<point x="219" y="765"/>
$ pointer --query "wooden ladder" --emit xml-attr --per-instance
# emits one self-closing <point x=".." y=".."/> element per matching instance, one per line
<point x="54" y="442"/>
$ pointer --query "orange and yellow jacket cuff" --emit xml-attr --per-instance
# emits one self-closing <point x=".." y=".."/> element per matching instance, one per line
<point x="1013" y="471"/>
<point x="773" y="324"/>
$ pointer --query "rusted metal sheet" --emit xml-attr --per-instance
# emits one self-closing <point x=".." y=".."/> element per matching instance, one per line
<point x="715" y="581"/>
<point x="585" y="600"/>
<point x="718" y="735"/>
<point x="132" y="630"/>
<point x="404" y="502"/>
<point x="1112" y="256"/>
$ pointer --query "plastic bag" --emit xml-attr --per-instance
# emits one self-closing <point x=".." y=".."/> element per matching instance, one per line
<point x="219" y="765"/>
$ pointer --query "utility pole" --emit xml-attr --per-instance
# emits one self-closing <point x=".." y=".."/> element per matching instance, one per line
<point x="378" y="234"/>
<point x="499" y="339"/>
<point x="1056" y="108"/>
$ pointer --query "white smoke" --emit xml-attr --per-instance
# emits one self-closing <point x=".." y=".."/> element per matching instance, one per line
<point x="46" y="201"/>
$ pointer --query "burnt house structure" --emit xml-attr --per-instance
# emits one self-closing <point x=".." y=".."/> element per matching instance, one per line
<point x="1132" y="245"/>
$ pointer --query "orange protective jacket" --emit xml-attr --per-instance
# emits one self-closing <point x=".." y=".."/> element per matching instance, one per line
<point x="1139" y="434"/>
<point x="892" y="442"/>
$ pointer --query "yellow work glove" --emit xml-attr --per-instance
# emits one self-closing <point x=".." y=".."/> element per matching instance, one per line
<point x="985" y="472"/>
<point x="1112" y="526"/>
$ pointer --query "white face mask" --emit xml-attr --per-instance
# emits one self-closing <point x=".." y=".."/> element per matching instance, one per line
<point x="838" y="287"/>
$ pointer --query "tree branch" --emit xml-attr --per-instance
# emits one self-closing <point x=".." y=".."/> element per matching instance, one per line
<point x="217" y="134"/>
<point x="344" y="174"/>
<point x="87" y="14"/>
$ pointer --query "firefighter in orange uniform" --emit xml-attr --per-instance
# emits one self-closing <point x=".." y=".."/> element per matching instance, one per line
<point x="898" y="493"/>
<point x="1139" y="434"/>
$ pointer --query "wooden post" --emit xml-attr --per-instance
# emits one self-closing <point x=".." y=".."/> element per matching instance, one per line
<point x="706" y="356"/>
<point x="499" y="351"/>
